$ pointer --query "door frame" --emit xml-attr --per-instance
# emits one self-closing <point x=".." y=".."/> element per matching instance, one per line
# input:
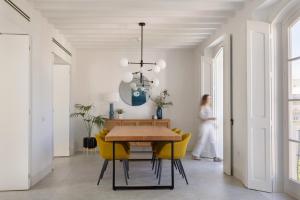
<point x="290" y="185"/>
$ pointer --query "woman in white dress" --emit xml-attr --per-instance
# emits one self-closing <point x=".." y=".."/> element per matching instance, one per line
<point x="206" y="130"/>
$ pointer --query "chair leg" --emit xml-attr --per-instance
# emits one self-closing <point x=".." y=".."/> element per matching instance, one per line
<point x="153" y="162"/>
<point x="156" y="166"/>
<point x="175" y="165"/>
<point x="125" y="171"/>
<point x="104" y="166"/>
<point x="127" y="167"/>
<point x="183" y="172"/>
<point x="179" y="168"/>
<point x="160" y="170"/>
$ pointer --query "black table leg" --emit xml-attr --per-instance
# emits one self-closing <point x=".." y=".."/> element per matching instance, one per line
<point x="172" y="164"/>
<point x="146" y="187"/>
<point x="114" y="168"/>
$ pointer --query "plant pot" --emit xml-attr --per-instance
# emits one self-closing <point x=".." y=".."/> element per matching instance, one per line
<point x="159" y="113"/>
<point x="89" y="142"/>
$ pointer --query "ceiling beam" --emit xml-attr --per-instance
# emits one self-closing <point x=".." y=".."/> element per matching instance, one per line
<point x="119" y="26"/>
<point x="138" y="5"/>
<point x="138" y="13"/>
<point x="149" y="20"/>
<point x="136" y="32"/>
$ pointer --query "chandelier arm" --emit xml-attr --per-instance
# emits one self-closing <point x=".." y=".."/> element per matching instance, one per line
<point x="134" y="63"/>
<point x="150" y="63"/>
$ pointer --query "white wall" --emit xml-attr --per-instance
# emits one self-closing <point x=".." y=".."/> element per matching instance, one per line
<point x="41" y="33"/>
<point x="98" y="72"/>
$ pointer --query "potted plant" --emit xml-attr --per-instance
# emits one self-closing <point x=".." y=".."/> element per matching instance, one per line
<point x="89" y="121"/>
<point x="161" y="102"/>
<point x="120" y="113"/>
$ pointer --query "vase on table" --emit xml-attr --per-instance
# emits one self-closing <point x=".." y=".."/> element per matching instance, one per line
<point x="159" y="112"/>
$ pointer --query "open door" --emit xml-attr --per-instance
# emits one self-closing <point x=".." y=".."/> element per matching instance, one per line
<point x="259" y="167"/>
<point x="227" y="106"/>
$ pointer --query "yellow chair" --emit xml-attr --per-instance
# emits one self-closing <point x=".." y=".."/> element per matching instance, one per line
<point x="156" y="146"/>
<point x="179" y="153"/>
<point x="103" y="132"/>
<point x="177" y="130"/>
<point x="105" y="151"/>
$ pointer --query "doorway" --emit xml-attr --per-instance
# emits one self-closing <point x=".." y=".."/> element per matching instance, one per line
<point x="61" y="107"/>
<point x="216" y="70"/>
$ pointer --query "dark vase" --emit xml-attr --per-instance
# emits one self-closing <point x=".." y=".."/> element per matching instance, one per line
<point x="159" y="112"/>
<point x="89" y="142"/>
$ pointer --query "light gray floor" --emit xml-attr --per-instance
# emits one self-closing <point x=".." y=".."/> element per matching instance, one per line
<point x="75" y="178"/>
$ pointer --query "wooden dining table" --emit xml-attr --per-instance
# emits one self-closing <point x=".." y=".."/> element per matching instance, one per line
<point x="142" y="134"/>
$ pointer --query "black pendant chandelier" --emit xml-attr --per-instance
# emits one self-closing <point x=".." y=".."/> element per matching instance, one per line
<point x="144" y="66"/>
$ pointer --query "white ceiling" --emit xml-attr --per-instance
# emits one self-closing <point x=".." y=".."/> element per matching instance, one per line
<point x="114" y="23"/>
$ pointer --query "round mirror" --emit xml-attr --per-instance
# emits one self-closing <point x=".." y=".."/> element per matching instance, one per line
<point x="135" y="93"/>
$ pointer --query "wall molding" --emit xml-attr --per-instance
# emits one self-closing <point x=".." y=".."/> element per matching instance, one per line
<point x="61" y="46"/>
<point x="18" y="9"/>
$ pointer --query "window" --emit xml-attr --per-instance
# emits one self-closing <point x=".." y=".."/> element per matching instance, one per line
<point x="294" y="101"/>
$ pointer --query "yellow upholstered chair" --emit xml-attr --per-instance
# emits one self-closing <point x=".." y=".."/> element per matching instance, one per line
<point x="105" y="151"/>
<point x="179" y="153"/>
<point x="158" y="145"/>
<point x="177" y="130"/>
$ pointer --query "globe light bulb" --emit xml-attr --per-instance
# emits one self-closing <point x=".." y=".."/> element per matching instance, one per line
<point x="156" y="69"/>
<point x="162" y="64"/>
<point x="127" y="77"/>
<point x="155" y="82"/>
<point x="133" y="86"/>
<point x="124" y="62"/>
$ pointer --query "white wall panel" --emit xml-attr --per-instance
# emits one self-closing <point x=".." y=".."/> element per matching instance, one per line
<point x="15" y="116"/>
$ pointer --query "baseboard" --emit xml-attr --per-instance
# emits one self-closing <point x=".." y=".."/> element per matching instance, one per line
<point x="35" y="178"/>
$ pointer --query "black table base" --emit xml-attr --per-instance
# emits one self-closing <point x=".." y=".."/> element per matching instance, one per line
<point x="144" y="187"/>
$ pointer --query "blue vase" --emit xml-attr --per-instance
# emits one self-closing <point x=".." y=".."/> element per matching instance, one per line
<point x="159" y="113"/>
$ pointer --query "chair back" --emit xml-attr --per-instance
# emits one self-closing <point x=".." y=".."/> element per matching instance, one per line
<point x="177" y="131"/>
<point x="181" y="147"/>
<point x="105" y="149"/>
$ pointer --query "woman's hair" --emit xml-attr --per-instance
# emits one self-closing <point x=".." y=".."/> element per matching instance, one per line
<point x="204" y="99"/>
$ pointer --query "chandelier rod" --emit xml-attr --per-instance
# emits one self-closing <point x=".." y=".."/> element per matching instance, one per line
<point x="142" y="24"/>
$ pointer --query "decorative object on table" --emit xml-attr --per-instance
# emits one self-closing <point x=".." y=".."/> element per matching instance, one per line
<point x="112" y="98"/>
<point x="135" y="93"/>
<point x="155" y="66"/>
<point x="120" y="113"/>
<point x="85" y="113"/>
<point x="161" y="102"/>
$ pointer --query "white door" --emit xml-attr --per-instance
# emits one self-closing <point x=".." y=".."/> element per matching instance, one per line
<point x="227" y="95"/>
<point x="61" y="107"/>
<point x="259" y="107"/>
<point x="217" y="83"/>
<point x="15" y="112"/>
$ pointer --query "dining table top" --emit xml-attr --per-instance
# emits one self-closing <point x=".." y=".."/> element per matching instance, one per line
<point x="141" y="134"/>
